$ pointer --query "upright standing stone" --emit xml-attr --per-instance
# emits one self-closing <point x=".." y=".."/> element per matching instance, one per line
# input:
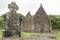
<point x="27" y="23"/>
<point x="12" y="21"/>
<point x="41" y="21"/>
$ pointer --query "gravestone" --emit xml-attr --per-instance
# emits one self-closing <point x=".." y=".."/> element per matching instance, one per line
<point x="41" y="21"/>
<point x="12" y="21"/>
<point x="27" y="23"/>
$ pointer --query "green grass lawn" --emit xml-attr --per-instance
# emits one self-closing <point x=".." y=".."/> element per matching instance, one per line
<point x="1" y="32"/>
<point x="58" y="35"/>
<point x="37" y="34"/>
<point x="27" y="34"/>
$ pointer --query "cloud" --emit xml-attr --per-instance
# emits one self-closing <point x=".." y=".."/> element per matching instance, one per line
<point x="50" y="6"/>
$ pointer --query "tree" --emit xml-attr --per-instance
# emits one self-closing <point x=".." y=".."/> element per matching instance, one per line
<point x="2" y="22"/>
<point x="21" y="17"/>
<point x="55" y="22"/>
<point x="4" y="16"/>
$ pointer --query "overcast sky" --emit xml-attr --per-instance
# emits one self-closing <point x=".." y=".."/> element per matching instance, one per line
<point x="50" y="6"/>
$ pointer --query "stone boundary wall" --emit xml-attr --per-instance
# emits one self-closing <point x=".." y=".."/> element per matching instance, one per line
<point x="29" y="38"/>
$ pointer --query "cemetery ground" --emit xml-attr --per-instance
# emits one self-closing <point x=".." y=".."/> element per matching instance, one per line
<point x="28" y="34"/>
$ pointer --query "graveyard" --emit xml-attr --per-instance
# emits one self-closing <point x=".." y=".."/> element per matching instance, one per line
<point x="27" y="34"/>
<point x="39" y="26"/>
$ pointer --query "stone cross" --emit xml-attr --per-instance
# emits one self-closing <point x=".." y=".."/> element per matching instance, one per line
<point x="12" y="21"/>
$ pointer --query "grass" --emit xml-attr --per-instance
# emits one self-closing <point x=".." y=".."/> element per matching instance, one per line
<point x="28" y="34"/>
<point x="58" y="35"/>
<point x="1" y="32"/>
<point x="38" y="34"/>
<point x="25" y="34"/>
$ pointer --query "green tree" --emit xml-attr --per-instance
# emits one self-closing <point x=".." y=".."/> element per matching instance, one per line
<point x="4" y="16"/>
<point x="21" y="17"/>
<point x="2" y="22"/>
<point x="55" y="22"/>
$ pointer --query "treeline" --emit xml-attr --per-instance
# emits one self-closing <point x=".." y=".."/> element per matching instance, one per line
<point x="54" y="21"/>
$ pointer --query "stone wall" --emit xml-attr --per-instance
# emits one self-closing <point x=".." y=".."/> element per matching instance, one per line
<point x="29" y="38"/>
<point x="41" y="21"/>
<point x="27" y="23"/>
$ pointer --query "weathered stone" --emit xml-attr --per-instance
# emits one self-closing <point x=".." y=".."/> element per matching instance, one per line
<point x="12" y="21"/>
<point x="38" y="23"/>
<point x="27" y="23"/>
<point x="41" y="21"/>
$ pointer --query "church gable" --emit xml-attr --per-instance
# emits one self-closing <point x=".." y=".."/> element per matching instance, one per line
<point x="41" y="20"/>
<point x="27" y="23"/>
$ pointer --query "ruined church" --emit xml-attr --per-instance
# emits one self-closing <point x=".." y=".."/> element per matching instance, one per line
<point x="27" y="23"/>
<point x="37" y="23"/>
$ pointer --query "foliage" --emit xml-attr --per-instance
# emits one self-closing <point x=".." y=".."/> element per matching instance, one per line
<point x="55" y="22"/>
<point x="21" y="17"/>
<point x="4" y="16"/>
<point x="2" y="22"/>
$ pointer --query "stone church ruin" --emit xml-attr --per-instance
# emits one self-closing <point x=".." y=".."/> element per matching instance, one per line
<point x="41" y="21"/>
<point x="27" y="23"/>
<point x="37" y="23"/>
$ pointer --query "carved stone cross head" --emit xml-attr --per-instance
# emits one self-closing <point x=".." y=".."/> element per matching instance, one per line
<point x="13" y="6"/>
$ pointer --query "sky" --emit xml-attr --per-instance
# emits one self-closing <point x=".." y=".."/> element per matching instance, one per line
<point x="52" y="7"/>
